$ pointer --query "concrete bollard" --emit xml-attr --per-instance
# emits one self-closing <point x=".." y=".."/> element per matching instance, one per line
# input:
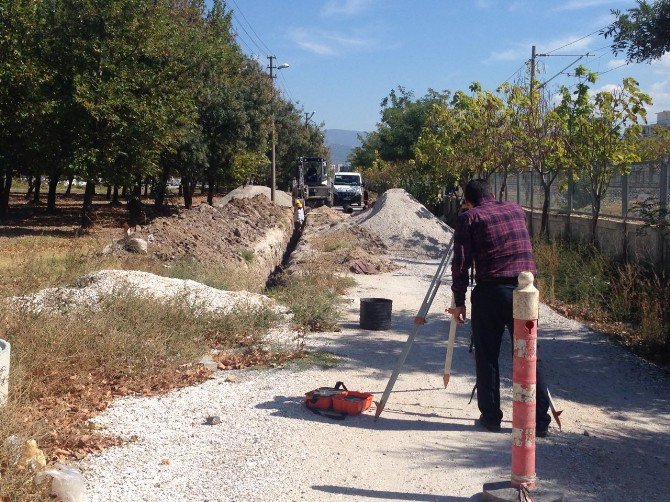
<point x="5" y="349"/>
<point x="526" y="302"/>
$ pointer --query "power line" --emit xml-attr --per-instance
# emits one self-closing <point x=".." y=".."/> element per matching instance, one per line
<point x="247" y="33"/>
<point x="575" y="41"/>
<point x="251" y="27"/>
<point x="285" y="86"/>
<point x="612" y="69"/>
<point x="515" y="71"/>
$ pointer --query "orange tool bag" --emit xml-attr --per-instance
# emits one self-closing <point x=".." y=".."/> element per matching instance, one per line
<point x="337" y="402"/>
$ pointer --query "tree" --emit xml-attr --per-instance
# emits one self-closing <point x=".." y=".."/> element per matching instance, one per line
<point x="21" y="93"/>
<point x="642" y="32"/>
<point x="538" y="135"/>
<point x="603" y="134"/>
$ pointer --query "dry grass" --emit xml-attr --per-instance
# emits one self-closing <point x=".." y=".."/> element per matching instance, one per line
<point x="67" y="368"/>
<point x="28" y="264"/>
<point x="313" y="295"/>
<point x="631" y="302"/>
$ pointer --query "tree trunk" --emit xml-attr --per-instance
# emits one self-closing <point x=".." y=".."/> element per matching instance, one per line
<point x="53" y="186"/>
<point x="544" y="226"/>
<point x="37" y="190"/>
<point x="29" y="192"/>
<point x="180" y="190"/>
<point x="115" y="196"/>
<point x="108" y="196"/>
<point x="594" y="222"/>
<point x="202" y="187"/>
<point x="4" y="193"/>
<point x="210" y="189"/>
<point x="69" y="186"/>
<point x="124" y="191"/>
<point x="87" y="213"/>
<point x="503" y="187"/>
<point x="188" y="191"/>
<point x="160" y="189"/>
<point x="146" y="186"/>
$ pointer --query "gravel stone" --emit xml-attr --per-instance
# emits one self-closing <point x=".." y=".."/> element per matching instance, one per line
<point x="90" y="289"/>
<point x="249" y="191"/>
<point x="406" y="226"/>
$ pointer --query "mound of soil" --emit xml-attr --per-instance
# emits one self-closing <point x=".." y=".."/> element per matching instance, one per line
<point x="249" y="191"/>
<point x="405" y="225"/>
<point x="331" y="237"/>
<point x="216" y="235"/>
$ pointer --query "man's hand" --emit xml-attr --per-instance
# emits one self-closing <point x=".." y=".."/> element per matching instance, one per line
<point x="419" y="321"/>
<point x="459" y="314"/>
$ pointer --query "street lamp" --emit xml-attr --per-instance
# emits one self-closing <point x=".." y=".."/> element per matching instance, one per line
<point x="272" y="67"/>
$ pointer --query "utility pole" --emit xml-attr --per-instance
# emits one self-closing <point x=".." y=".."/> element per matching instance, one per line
<point x="273" y="176"/>
<point x="308" y="116"/>
<point x="532" y="117"/>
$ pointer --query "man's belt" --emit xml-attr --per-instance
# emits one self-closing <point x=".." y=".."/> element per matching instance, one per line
<point x="499" y="280"/>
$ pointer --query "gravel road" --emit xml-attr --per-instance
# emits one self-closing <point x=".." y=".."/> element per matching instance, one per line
<point x="615" y="443"/>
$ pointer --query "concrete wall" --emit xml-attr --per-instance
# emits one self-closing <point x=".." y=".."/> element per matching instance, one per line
<point x="614" y="236"/>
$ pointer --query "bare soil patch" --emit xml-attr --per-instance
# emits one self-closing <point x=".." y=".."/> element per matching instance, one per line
<point x="332" y="237"/>
<point x="215" y="235"/>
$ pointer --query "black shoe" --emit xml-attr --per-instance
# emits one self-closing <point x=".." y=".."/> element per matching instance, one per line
<point x="489" y="426"/>
<point x="542" y="432"/>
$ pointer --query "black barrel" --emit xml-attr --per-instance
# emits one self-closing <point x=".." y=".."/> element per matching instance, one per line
<point x="376" y="313"/>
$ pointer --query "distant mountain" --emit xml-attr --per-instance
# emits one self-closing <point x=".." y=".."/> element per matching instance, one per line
<point x="341" y="142"/>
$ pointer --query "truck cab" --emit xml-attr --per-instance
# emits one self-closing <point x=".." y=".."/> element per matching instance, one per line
<point x="347" y="189"/>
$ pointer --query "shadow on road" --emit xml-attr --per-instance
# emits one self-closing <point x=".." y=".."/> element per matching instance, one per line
<point x="384" y="494"/>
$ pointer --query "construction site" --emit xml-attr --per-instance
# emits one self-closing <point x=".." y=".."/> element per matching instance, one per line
<point x="236" y="427"/>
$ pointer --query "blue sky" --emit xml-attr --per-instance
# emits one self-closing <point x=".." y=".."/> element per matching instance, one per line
<point x="346" y="55"/>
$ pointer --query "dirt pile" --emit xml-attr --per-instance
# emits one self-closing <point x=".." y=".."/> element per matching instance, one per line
<point x="216" y="235"/>
<point x="331" y="236"/>
<point x="249" y="191"/>
<point x="406" y="226"/>
<point x="90" y="290"/>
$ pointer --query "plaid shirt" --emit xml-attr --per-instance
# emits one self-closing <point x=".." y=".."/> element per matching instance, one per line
<point x="493" y="235"/>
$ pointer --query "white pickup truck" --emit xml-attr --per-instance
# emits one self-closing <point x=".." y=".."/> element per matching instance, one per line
<point x="347" y="189"/>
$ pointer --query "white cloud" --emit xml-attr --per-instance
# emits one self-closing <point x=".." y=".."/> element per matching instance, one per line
<point x="660" y="94"/>
<point x="345" y="7"/>
<point x="328" y="43"/>
<point x="662" y="65"/>
<point x="586" y="4"/>
<point x="615" y="63"/>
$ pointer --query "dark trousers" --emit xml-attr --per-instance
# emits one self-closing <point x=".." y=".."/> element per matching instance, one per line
<point x="491" y="312"/>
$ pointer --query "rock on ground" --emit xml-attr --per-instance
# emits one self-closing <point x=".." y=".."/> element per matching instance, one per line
<point x="248" y="191"/>
<point x="406" y="226"/>
<point x="92" y="288"/>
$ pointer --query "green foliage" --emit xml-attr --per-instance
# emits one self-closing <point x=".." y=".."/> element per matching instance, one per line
<point x="603" y="133"/>
<point x="642" y="32"/>
<point x="583" y="278"/>
<point x="123" y="91"/>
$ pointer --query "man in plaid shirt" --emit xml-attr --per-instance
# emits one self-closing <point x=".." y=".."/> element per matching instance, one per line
<point x="492" y="236"/>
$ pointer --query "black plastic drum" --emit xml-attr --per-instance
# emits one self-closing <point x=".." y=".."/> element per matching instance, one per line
<point x="376" y="313"/>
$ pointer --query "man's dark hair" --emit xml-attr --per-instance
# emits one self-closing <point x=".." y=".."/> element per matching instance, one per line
<point x="477" y="190"/>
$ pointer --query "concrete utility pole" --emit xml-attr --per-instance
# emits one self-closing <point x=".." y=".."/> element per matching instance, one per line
<point x="273" y="176"/>
<point x="532" y="115"/>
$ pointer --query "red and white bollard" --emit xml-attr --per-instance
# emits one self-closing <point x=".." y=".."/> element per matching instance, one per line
<point x="526" y="302"/>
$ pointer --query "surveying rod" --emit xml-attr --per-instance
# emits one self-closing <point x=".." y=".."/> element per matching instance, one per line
<point x="450" y="345"/>
<point x="423" y="311"/>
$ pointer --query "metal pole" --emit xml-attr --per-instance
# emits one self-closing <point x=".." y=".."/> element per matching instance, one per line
<point x="273" y="175"/>
<point x="423" y="311"/>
